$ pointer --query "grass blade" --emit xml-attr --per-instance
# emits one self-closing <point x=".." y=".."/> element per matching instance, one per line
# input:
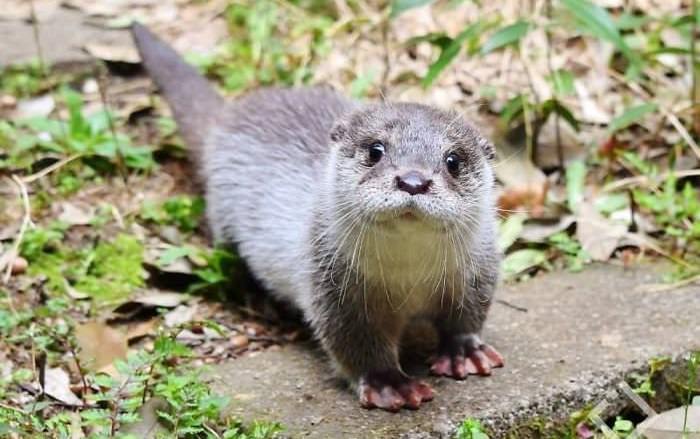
<point x="596" y="20"/>
<point x="506" y="36"/>
<point x="398" y="7"/>
<point x="630" y="116"/>
<point x="449" y="52"/>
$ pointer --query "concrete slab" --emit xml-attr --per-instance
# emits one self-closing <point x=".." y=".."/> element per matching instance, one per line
<point x="63" y="36"/>
<point x="580" y="334"/>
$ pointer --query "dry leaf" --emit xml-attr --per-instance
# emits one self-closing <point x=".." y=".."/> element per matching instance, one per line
<point x="76" y="214"/>
<point x="180" y="315"/>
<point x="538" y="230"/>
<point x="598" y="236"/>
<point x="161" y="299"/>
<point x="57" y="386"/>
<point x="205" y="334"/>
<point x="40" y="106"/>
<point x="525" y="185"/>
<point x="110" y="52"/>
<point x="100" y="345"/>
<point x="142" y="329"/>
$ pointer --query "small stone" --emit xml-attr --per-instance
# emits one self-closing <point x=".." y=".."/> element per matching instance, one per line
<point x="7" y="101"/>
<point x="239" y="341"/>
<point x="19" y="265"/>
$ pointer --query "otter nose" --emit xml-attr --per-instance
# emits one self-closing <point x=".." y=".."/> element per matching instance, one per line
<point x="413" y="182"/>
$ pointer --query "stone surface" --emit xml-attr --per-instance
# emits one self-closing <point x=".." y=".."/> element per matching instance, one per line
<point x="63" y="36"/>
<point x="580" y="334"/>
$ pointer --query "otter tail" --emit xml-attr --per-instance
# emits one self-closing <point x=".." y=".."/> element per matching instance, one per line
<point x="193" y="101"/>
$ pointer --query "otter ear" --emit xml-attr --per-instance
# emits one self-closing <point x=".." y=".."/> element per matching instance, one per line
<point x="339" y="130"/>
<point x="488" y="148"/>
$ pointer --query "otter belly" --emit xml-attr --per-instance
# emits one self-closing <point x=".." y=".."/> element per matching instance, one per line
<point x="414" y="264"/>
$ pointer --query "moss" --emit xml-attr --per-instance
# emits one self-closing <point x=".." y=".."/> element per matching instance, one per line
<point x="115" y="269"/>
<point x="107" y="272"/>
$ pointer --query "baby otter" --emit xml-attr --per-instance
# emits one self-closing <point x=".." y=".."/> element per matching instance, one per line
<point x="364" y="216"/>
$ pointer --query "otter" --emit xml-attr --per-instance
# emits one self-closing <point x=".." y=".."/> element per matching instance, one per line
<point x="362" y="215"/>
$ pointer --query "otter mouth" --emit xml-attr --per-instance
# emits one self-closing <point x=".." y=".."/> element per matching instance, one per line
<point x="408" y="215"/>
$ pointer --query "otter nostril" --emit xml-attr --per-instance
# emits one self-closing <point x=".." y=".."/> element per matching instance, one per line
<point x="413" y="182"/>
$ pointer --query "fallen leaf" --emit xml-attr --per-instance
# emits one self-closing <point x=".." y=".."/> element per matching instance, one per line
<point x="521" y="261"/>
<point x="509" y="230"/>
<point x="142" y="329"/>
<point x="161" y="299"/>
<point x="598" y="236"/>
<point x="538" y="230"/>
<point x="114" y="53"/>
<point x="206" y="334"/>
<point x="40" y="106"/>
<point x="76" y="214"/>
<point x="525" y="185"/>
<point x="57" y="386"/>
<point x="180" y="315"/>
<point x="100" y="345"/>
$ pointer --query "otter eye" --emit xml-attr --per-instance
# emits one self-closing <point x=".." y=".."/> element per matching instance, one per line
<point x="375" y="152"/>
<point x="452" y="161"/>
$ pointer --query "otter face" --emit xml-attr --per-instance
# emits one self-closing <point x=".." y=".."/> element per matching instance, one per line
<point x="403" y="162"/>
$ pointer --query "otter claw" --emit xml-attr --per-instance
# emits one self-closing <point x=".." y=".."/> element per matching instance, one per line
<point x="478" y="361"/>
<point x="392" y="391"/>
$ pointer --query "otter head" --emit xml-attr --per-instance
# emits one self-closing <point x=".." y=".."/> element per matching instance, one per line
<point x="412" y="191"/>
<point x="410" y="162"/>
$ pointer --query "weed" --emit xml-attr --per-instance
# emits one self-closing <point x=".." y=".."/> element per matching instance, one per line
<point x="182" y="211"/>
<point x="575" y="257"/>
<point x="693" y="366"/>
<point x="257" y="55"/>
<point x="106" y="271"/>
<point x="23" y="80"/>
<point x="471" y="429"/>
<point x="189" y="408"/>
<point x="642" y="384"/>
<point x="25" y="141"/>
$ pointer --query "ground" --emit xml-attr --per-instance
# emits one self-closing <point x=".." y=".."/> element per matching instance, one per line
<point x="114" y="295"/>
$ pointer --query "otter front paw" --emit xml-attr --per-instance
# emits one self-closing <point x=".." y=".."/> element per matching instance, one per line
<point x="464" y="355"/>
<point x="392" y="390"/>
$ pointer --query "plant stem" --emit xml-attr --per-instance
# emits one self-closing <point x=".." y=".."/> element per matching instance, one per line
<point x="37" y="38"/>
<point x="695" y="87"/>
<point x="693" y="363"/>
<point x="102" y="88"/>
<point x="550" y="67"/>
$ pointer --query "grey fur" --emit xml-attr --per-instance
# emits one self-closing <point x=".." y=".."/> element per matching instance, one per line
<point x="287" y="180"/>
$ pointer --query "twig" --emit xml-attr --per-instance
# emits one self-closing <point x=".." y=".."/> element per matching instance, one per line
<point x="510" y="305"/>
<point x="550" y="67"/>
<point x="26" y="222"/>
<point x="121" y="166"/>
<point x="80" y="372"/>
<point x="658" y="288"/>
<point x="646" y="241"/>
<point x="49" y="169"/>
<point x="668" y="114"/>
<point x="694" y="90"/>
<point x="642" y="180"/>
<point x="682" y="131"/>
<point x="37" y="37"/>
